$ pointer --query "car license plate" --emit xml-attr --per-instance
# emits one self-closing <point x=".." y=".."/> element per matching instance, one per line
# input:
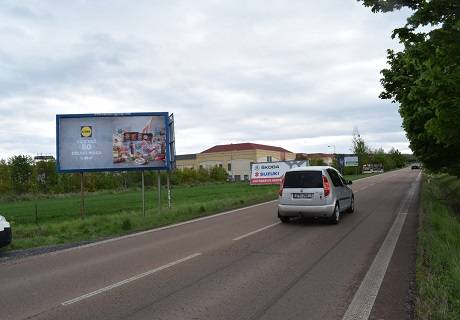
<point x="302" y="195"/>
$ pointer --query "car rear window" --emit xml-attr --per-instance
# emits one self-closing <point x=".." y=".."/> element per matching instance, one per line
<point x="303" y="179"/>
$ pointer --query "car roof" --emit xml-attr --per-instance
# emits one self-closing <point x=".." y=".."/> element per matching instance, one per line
<point x="311" y="168"/>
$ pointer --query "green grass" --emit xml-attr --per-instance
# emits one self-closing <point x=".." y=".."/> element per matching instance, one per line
<point x="438" y="256"/>
<point x="117" y="213"/>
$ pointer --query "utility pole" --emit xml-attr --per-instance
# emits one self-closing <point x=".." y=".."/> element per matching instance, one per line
<point x="82" y="196"/>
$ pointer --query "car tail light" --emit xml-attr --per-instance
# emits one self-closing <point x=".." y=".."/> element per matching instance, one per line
<point x="280" y="192"/>
<point x="326" y="186"/>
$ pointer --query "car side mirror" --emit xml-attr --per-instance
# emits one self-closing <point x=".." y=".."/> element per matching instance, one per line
<point x="349" y="182"/>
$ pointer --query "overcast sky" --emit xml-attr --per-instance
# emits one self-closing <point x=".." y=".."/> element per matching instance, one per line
<point x="296" y="74"/>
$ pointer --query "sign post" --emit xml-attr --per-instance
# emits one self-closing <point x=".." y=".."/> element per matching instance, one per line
<point x="168" y="186"/>
<point x="143" y="194"/>
<point x="159" y="190"/>
<point x="82" y="196"/>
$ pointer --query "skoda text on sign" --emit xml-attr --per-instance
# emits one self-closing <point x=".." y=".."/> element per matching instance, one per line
<point x="351" y="161"/>
<point x="109" y="142"/>
<point x="273" y="172"/>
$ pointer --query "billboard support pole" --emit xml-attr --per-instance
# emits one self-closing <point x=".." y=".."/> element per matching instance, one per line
<point x="159" y="190"/>
<point x="82" y="196"/>
<point x="168" y="186"/>
<point x="143" y="195"/>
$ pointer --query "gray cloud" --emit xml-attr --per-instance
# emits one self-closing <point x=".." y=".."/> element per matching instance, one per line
<point x="300" y="75"/>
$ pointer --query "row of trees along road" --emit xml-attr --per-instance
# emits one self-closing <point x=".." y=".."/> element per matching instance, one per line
<point x="424" y="79"/>
<point x="21" y="175"/>
<point x="366" y="155"/>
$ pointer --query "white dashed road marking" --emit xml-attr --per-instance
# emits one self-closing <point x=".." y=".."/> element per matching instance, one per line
<point x="134" y="278"/>
<point x="255" y="231"/>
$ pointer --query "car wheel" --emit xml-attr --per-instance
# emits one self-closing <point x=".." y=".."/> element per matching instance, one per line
<point x="352" y="205"/>
<point x="284" y="219"/>
<point x="336" y="215"/>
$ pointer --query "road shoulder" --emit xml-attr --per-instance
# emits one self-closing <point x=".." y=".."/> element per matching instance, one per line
<point x="395" y="299"/>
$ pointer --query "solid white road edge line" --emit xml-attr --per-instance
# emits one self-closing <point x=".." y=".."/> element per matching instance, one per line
<point x="364" y="298"/>
<point x="134" y="278"/>
<point x="255" y="231"/>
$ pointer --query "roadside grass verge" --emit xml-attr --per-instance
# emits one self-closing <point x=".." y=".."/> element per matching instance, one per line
<point x="438" y="256"/>
<point x="112" y="214"/>
<point x="60" y="208"/>
<point x="115" y="213"/>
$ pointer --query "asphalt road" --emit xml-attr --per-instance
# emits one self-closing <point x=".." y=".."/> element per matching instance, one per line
<point x="242" y="264"/>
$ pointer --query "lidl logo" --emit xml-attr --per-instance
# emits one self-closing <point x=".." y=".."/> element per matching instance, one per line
<point x="86" y="131"/>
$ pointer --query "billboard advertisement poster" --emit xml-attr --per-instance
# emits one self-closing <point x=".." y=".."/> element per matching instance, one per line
<point x="108" y="142"/>
<point x="273" y="172"/>
<point x="351" y="161"/>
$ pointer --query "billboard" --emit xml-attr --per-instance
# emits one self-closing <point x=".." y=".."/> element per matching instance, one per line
<point x="106" y="142"/>
<point x="351" y="161"/>
<point x="272" y="172"/>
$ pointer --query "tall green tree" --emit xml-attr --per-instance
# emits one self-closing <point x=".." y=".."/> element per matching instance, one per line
<point x="46" y="175"/>
<point x="361" y="149"/>
<point x="398" y="158"/>
<point x="5" y="178"/>
<point x="21" y="173"/>
<point x="424" y="79"/>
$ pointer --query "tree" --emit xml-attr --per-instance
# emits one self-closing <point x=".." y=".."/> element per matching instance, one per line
<point x="398" y="158"/>
<point x="424" y="79"/>
<point x="218" y="174"/>
<point x="46" y="175"/>
<point x="5" y="178"/>
<point x="360" y="148"/>
<point x="21" y="173"/>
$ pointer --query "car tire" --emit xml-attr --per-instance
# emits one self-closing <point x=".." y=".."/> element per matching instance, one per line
<point x="284" y="219"/>
<point x="335" y="218"/>
<point x="351" y="209"/>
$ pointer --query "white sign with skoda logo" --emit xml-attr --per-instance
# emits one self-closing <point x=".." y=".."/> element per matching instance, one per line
<point x="272" y="172"/>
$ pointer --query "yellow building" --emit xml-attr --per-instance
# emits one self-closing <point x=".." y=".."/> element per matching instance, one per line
<point x="236" y="158"/>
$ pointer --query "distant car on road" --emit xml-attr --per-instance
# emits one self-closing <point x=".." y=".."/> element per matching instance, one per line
<point x="319" y="192"/>
<point x="416" y="166"/>
<point x="5" y="232"/>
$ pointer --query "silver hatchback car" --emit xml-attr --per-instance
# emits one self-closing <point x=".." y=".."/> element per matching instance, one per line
<point x="319" y="192"/>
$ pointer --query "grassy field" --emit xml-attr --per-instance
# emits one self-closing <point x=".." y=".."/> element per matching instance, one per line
<point x="117" y="213"/>
<point x="438" y="260"/>
<point x="41" y="220"/>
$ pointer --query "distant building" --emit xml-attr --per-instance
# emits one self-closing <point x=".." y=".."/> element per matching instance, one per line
<point x="186" y="161"/>
<point x="328" y="158"/>
<point x="43" y="158"/>
<point x="235" y="158"/>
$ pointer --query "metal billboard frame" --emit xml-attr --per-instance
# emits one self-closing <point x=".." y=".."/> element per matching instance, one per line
<point x="169" y="123"/>
<point x="170" y="157"/>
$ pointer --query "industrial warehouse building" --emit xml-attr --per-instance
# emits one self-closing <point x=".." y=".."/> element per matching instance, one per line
<point x="236" y="158"/>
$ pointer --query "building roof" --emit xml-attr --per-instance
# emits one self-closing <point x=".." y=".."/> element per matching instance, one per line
<point x="243" y="146"/>
<point x="186" y="156"/>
